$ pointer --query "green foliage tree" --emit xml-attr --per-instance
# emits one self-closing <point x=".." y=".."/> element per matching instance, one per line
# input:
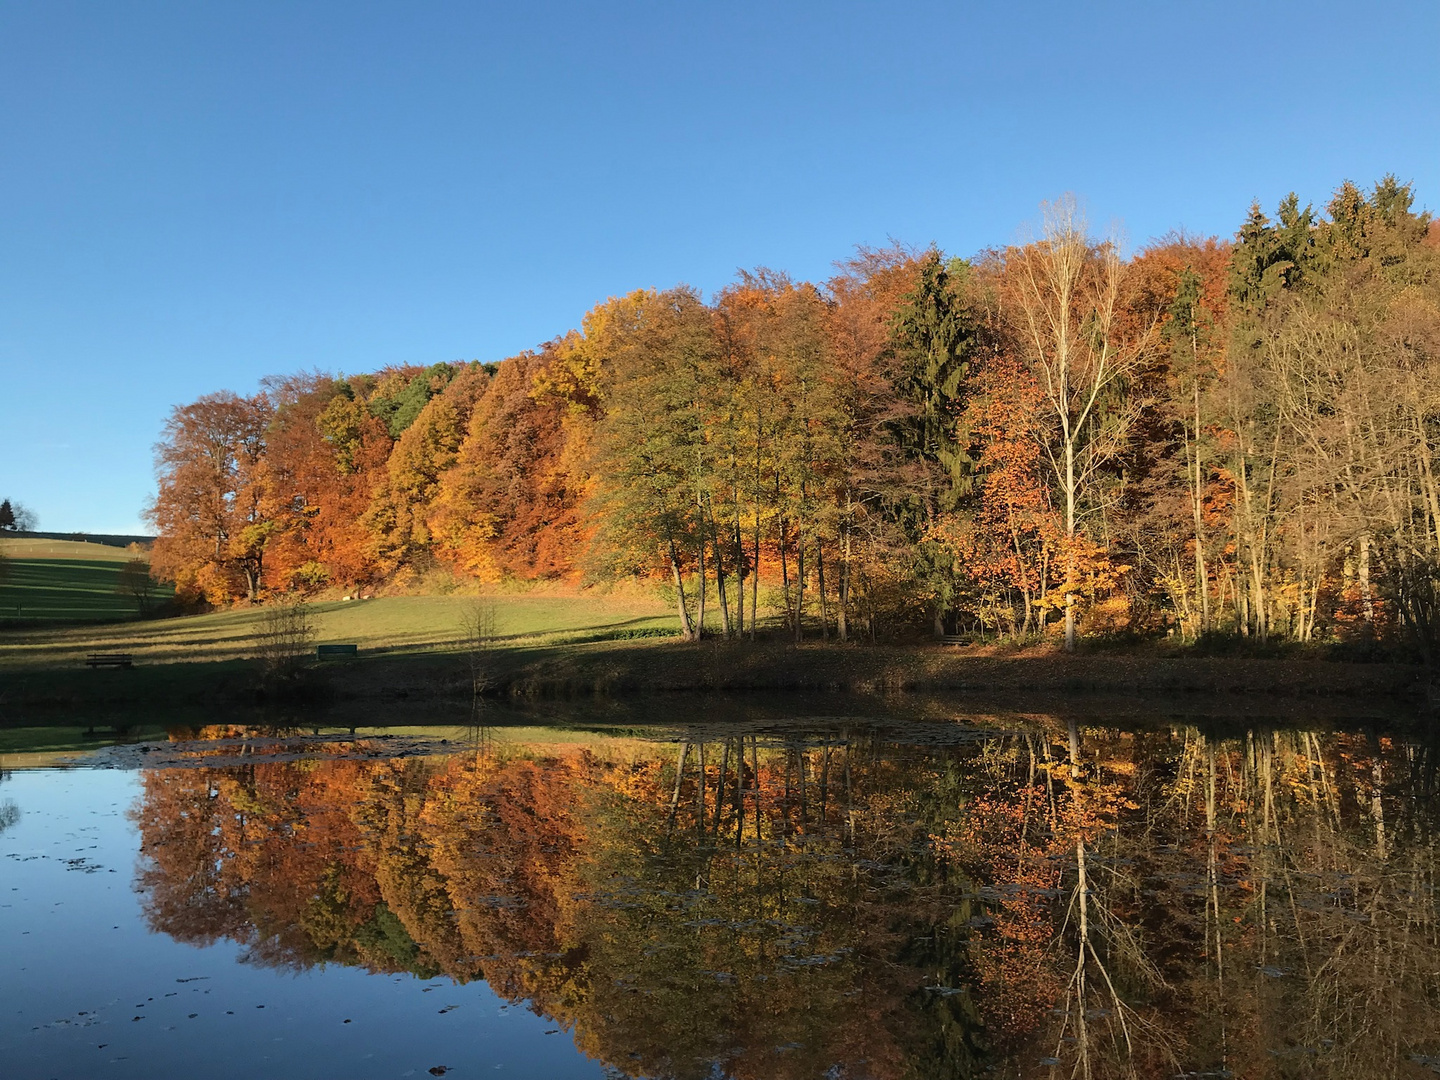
<point x="1333" y="388"/>
<point x="401" y="406"/>
<point x="651" y="442"/>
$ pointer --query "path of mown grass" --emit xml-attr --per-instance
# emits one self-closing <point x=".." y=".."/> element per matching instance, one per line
<point x="403" y="624"/>
<point x="65" y="581"/>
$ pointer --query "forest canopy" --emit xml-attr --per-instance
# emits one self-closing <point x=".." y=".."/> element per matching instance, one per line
<point x="1202" y="437"/>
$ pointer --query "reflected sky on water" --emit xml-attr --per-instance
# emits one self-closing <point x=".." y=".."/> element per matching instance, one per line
<point x="824" y="898"/>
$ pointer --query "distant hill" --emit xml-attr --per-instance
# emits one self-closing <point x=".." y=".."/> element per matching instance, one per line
<point x="31" y="546"/>
<point x="108" y="539"/>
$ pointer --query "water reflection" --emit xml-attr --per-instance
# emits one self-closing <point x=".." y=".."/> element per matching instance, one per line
<point x="1050" y="901"/>
<point x="9" y="812"/>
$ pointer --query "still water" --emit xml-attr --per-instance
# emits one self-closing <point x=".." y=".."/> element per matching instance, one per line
<point x="832" y="898"/>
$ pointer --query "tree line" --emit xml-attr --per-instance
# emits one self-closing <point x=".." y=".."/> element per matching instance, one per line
<point x="16" y="518"/>
<point x="1202" y="438"/>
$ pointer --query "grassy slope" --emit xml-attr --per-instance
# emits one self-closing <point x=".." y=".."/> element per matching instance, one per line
<point x="407" y="624"/>
<point x="64" y="580"/>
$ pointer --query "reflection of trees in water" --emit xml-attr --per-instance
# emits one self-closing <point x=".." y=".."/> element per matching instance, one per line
<point x="1327" y="930"/>
<point x="9" y="812"/>
<point x="1260" y="906"/>
<point x="1051" y="902"/>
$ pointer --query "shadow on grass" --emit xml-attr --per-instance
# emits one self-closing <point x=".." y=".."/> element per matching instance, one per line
<point x="67" y="590"/>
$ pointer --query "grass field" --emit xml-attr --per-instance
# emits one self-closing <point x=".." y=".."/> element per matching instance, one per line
<point x="65" y="581"/>
<point x="384" y="625"/>
<point x="26" y="547"/>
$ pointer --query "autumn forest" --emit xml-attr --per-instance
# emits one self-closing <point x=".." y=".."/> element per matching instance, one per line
<point x="1205" y="438"/>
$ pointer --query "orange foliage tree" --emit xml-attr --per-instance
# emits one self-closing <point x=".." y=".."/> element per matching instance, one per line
<point x="508" y="507"/>
<point x="1008" y="545"/>
<point x="209" y="507"/>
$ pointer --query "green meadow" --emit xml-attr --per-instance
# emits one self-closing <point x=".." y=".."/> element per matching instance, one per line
<point x="393" y="625"/>
<point x="61" y="600"/>
<point x="66" y="581"/>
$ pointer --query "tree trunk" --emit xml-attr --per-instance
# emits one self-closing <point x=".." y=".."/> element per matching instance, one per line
<point x="700" y="792"/>
<point x="720" y="785"/>
<point x="700" y="600"/>
<point x="755" y="768"/>
<point x="740" y="574"/>
<point x="755" y="578"/>
<point x="1082" y="901"/>
<point x="684" y="609"/>
<point x="1366" y="597"/>
<point x="1070" y="568"/>
<point x="1202" y="578"/>
<point x="720" y="578"/>
<point x="785" y="569"/>
<point x="740" y="792"/>
<point x="820" y="583"/>
<point x="799" y="585"/>
<point x="679" y="776"/>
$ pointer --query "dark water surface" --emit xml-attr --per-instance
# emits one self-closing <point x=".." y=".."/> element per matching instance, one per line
<point x="948" y="897"/>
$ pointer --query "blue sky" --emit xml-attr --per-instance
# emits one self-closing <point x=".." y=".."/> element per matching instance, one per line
<point x="193" y="196"/>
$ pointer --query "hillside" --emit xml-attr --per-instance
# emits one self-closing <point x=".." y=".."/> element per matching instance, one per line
<point x="44" y="579"/>
<point x="387" y="624"/>
<point x="118" y="540"/>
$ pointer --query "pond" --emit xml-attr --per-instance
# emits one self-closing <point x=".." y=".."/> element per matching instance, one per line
<point x="996" y="895"/>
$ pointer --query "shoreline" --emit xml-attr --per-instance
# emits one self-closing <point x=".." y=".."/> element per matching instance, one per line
<point x="616" y="669"/>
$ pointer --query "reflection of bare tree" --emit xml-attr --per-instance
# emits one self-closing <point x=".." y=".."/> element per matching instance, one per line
<point x="1096" y="1019"/>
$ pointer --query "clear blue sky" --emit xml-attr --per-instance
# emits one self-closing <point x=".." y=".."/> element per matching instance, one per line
<point x="195" y="195"/>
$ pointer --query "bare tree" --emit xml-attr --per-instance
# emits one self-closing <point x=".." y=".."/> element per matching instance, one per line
<point x="1067" y="300"/>
<point x="477" y="628"/>
<point x="135" y="584"/>
<point x="287" y="631"/>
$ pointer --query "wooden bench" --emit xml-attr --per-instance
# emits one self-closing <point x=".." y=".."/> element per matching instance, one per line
<point x="336" y="652"/>
<point x="109" y="660"/>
